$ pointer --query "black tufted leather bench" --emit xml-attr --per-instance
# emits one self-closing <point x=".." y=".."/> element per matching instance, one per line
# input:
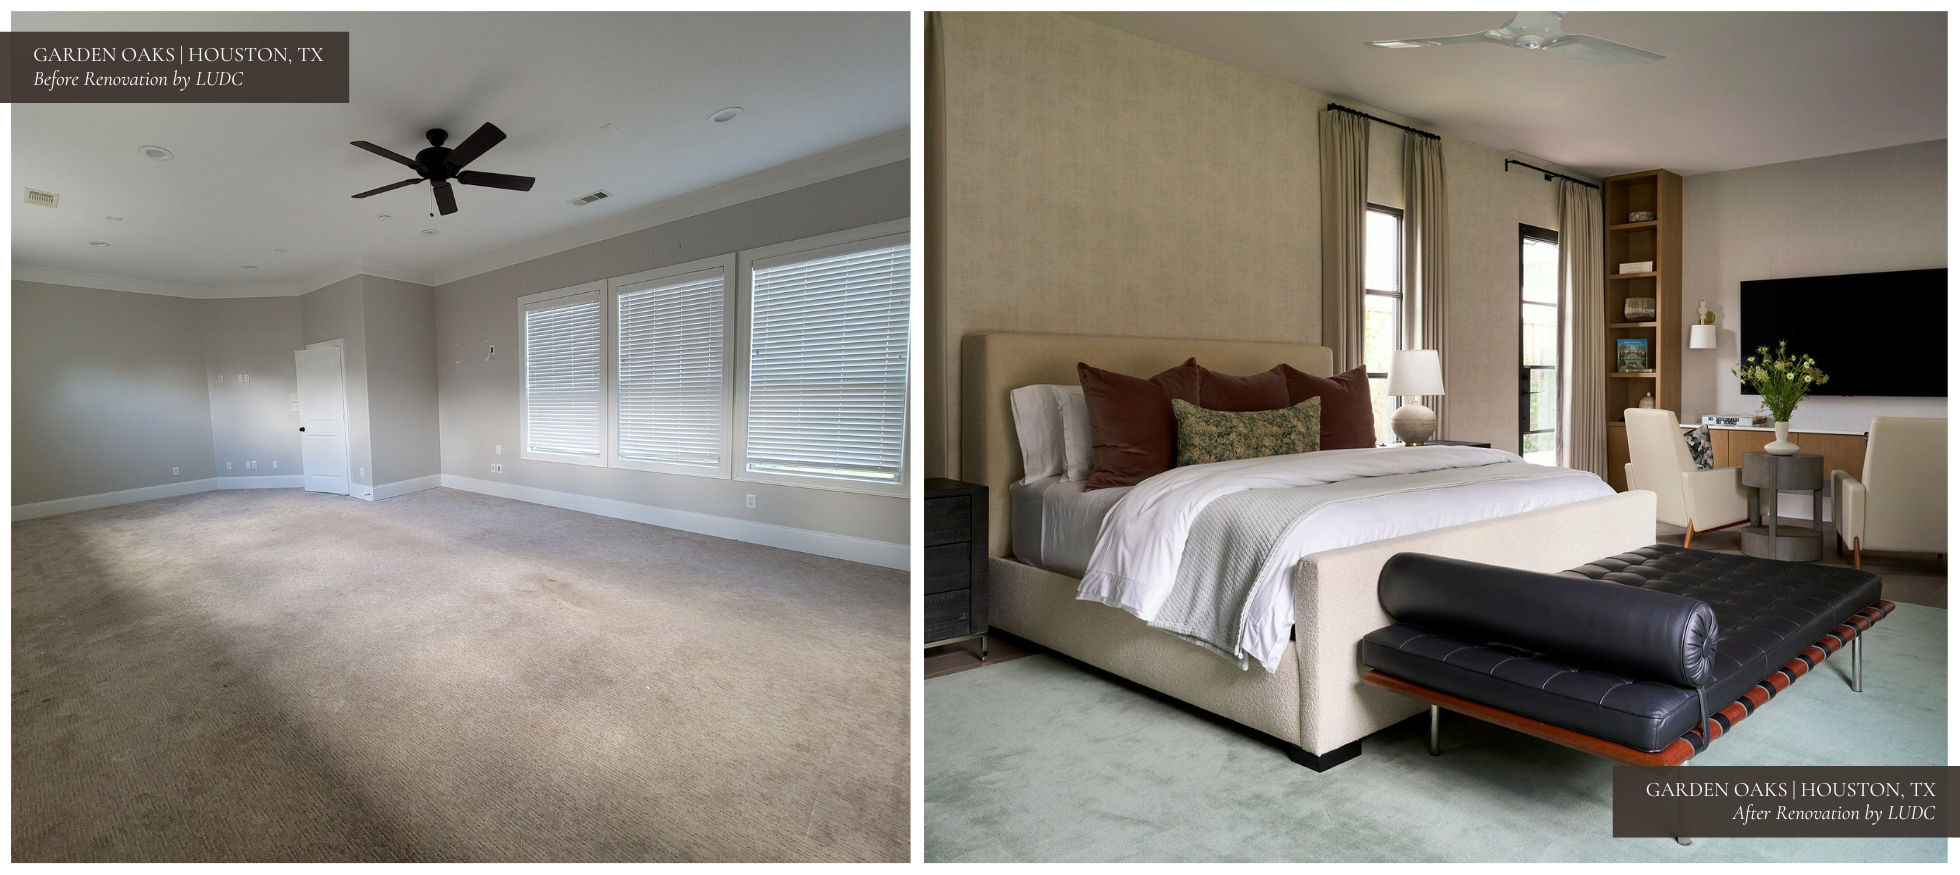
<point x="1642" y="676"/>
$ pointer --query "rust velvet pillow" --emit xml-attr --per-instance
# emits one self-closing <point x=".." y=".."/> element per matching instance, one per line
<point x="1131" y="423"/>
<point x="1266" y="390"/>
<point x="1347" y="416"/>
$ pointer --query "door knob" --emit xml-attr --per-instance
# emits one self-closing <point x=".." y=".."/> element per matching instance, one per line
<point x="302" y="428"/>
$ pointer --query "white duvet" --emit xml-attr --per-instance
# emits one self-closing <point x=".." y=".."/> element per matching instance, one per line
<point x="1142" y="539"/>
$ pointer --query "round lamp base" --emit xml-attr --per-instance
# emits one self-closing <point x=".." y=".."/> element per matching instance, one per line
<point x="1413" y="423"/>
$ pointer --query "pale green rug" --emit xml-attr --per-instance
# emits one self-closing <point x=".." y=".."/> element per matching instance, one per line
<point x="1040" y="760"/>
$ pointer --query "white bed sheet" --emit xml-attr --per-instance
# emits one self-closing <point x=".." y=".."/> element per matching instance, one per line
<point x="1055" y="522"/>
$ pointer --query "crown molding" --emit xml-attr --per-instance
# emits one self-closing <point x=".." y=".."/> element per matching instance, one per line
<point x="850" y="158"/>
<point x="844" y="160"/>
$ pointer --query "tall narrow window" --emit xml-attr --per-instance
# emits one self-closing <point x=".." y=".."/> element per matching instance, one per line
<point x="1381" y="324"/>
<point x="1538" y="399"/>
<point x="564" y="390"/>
<point x="826" y="347"/>
<point x="671" y="390"/>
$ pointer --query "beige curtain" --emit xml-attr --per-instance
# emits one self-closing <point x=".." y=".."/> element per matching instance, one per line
<point x="1343" y="219"/>
<point x="1425" y="262"/>
<point x="942" y="457"/>
<point x="1582" y="291"/>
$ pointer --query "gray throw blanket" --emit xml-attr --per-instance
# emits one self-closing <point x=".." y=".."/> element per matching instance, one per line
<point x="1235" y="537"/>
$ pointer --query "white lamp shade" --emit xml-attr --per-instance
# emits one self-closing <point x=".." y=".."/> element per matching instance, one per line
<point x="1415" y="372"/>
<point x="1701" y="337"/>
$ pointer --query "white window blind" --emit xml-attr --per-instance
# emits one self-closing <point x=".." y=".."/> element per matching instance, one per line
<point x="563" y="389"/>
<point x="670" y="391"/>
<point x="826" y="377"/>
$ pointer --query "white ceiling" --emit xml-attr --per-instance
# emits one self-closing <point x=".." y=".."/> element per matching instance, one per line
<point x="252" y="178"/>
<point x="1737" y="89"/>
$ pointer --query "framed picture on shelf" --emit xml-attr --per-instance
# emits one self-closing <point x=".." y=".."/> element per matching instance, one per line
<point x="1631" y="354"/>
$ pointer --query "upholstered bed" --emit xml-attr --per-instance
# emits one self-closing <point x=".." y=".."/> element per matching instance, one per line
<point x="1314" y="702"/>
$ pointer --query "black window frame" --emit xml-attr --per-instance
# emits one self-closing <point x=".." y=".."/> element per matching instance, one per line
<point x="1397" y="294"/>
<point x="1541" y="235"/>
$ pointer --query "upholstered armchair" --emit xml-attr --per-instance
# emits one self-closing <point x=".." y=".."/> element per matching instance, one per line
<point x="1900" y="502"/>
<point x="1701" y="501"/>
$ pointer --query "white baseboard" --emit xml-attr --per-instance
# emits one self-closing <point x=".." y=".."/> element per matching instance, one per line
<point x="270" y="481"/>
<point x="403" y="487"/>
<point x="40" y="509"/>
<point x="864" y="550"/>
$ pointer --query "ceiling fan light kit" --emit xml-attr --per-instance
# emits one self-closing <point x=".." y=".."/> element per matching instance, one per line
<point x="1538" y="31"/>
<point x="439" y="165"/>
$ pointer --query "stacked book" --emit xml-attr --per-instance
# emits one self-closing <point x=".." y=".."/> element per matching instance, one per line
<point x="1750" y="420"/>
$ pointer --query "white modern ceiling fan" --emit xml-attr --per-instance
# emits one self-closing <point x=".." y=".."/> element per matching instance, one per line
<point x="1538" y="30"/>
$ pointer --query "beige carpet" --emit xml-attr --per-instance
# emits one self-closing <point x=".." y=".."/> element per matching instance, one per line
<point x="276" y="675"/>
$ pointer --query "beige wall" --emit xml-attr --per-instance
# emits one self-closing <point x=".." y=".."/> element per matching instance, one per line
<point x="253" y="420"/>
<point x="334" y="312"/>
<point x="1101" y="183"/>
<point x="109" y="392"/>
<point x="399" y="336"/>
<point x="1867" y="211"/>
<point x="479" y="398"/>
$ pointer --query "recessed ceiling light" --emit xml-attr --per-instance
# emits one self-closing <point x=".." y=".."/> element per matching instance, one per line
<point x="113" y="218"/>
<point x="155" y="153"/>
<point x="430" y="232"/>
<point x="384" y="217"/>
<point x="98" y="243"/>
<point x="726" y="114"/>
<point x="248" y="267"/>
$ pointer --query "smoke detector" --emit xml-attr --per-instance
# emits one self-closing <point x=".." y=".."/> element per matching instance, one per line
<point x="595" y="196"/>
<point x="41" y="198"/>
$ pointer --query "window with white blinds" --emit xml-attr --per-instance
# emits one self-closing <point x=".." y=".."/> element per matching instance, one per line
<point x="826" y="364"/>
<point x="564" y="389"/>
<point x="671" y="389"/>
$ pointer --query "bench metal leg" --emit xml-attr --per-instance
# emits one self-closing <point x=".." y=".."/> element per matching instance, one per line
<point x="1435" y="731"/>
<point x="1858" y="664"/>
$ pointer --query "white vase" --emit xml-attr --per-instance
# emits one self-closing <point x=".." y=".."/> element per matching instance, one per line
<point x="1782" y="445"/>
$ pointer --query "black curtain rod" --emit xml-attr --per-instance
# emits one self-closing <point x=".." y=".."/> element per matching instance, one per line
<point x="1352" y="111"/>
<point x="1548" y="173"/>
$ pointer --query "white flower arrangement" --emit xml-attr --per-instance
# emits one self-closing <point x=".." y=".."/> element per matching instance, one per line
<point x="1782" y="379"/>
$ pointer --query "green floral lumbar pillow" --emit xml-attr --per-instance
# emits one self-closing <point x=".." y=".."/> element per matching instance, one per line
<point x="1221" y="436"/>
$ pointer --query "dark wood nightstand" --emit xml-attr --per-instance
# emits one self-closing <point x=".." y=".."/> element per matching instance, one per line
<point x="956" y="563"/>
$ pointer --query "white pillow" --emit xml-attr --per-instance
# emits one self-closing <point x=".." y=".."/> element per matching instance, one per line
<point x="1076" y="445"/>
<point x="1038" y="423"/>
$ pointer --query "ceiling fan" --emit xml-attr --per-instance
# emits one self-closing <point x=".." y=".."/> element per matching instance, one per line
<point x="1538" y="30"/>
<point x="439" y="165"/>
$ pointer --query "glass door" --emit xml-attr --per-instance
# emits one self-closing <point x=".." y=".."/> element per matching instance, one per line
<point x="1538" y="336"/>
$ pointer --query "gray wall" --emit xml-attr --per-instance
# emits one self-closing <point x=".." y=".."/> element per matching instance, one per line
<point x="109" y="392"/>
<point x="252" y="421"/>
<point x="399" y="340"/>
<point x="479" y="398"/>
<point x="331" y="313"/>
<point x="1867" y="211"/>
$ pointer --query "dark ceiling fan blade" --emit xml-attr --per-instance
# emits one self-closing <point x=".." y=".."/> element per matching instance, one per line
<point x="390" y="187"/>
<point x="495" y="180"/>
<point x="474" y="147"/>
<point x="387" y="154"/>
<point x="445" y="197"/>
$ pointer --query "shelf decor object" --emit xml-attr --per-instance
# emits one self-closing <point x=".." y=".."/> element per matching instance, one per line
<point x="1632" y="355"/>
<point x="1412" y="373"/>
<point x="1640" y="309"/>
<point x="1782" y="380"/>
<point x="1642" y="261"/>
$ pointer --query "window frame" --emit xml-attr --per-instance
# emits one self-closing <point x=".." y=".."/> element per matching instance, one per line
<point x="1542" y="235"/>
<point x="1398" y="294"/>
<point x="569" y="295"/>
<point x="614" y="286"/>
<point x="868" y="237"/>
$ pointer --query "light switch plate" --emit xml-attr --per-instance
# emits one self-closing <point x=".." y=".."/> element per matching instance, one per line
<point x="496" y="468"/>
<point x="173" y="472"/>
<point x="244" y="378"/>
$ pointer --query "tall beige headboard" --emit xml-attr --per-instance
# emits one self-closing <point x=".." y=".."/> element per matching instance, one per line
<point x="991" y="365"/>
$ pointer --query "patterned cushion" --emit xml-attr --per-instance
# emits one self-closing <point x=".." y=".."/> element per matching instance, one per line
<point x="1702" y="451"/>
<point x="1221" y="436"/>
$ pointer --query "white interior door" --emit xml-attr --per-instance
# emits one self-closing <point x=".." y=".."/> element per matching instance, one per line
<point x="323" y="419"/>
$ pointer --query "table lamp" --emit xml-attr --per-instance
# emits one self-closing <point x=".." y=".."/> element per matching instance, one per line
<point x="1411" y="373"/>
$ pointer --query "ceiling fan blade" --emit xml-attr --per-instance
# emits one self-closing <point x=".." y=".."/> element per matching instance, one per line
<point x="445" y="198"/>
<point x="495" y="180"/>
<point x="387" y="154"/>
<point x="390" y="187"/>
<point x="1426" y="42"/>
<point x="474" y="147"/>
<point x="1593" y="50"/>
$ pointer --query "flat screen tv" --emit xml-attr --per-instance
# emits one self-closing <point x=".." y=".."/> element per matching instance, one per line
<point x="1873" y="333"/>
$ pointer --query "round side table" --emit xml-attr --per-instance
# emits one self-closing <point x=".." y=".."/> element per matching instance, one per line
<point x="1770" y="474"/>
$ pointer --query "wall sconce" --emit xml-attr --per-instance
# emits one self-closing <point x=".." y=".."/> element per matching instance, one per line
<point x="1701" y="335"/>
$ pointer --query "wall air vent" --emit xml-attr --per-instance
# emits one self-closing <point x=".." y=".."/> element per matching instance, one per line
<point x="41" y="198"/>
<point x="595" y="196"/>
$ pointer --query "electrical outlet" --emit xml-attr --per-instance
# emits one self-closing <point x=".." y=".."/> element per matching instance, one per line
<point x="244" y="378"/>
<point x="295" y="406"/>
<point x="227" y="466"/>
<point x="275" y="464"/>
<point x="749" y="500"/>
<point x="254" y="465"/>
<point x="496" y="468"/>
<point x="363" y="472"/>
<point x="173" y="472"/>
<point x="221" y="378"/>
<point x="295" y="399"/>
<point x="500" y="449"/>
